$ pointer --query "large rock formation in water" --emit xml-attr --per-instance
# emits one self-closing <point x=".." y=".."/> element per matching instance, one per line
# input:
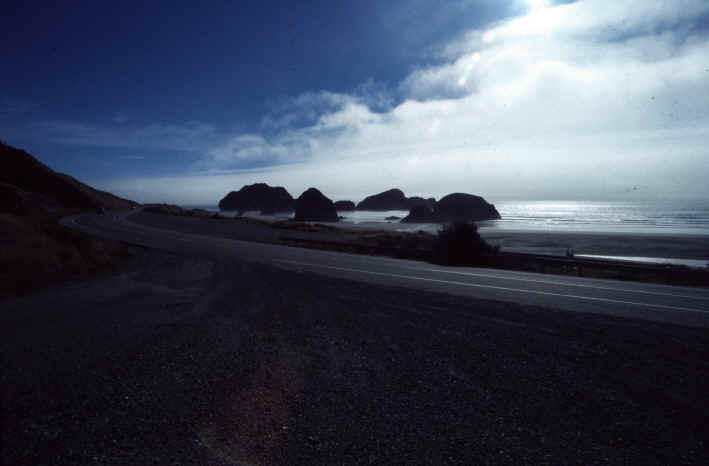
<point x="259" y="197"/>
<point x="344" y="206"/>
<point x="457" y="207"/>
<point x="414" y="201"/>
<point x="393" y="199"/>
<point x="419" y="214"/>
<point x="313" y="206"/>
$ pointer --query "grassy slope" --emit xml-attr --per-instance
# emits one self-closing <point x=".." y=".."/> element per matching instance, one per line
<point x="34" y="250"/>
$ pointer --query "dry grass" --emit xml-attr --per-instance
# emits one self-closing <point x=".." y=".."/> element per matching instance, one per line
<point x="37" y="252"/>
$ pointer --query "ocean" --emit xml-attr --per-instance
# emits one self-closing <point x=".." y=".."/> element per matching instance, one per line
<point x="665" y="217"/>
<point x="658" y="217"/>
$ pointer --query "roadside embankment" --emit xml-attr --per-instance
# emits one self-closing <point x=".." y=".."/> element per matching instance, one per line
<point x="37" y="252"/>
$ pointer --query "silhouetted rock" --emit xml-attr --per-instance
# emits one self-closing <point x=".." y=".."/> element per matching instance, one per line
<point x="345" y="205"/>
<point x="313" y="206"/>
<point x="414" y="201"/>
<point x="419" y="214"/>
<point x="393" y="199"/>
<point x="461" y="207"/>
<point x="261" y="197"/>
<point x="457" y="207"/>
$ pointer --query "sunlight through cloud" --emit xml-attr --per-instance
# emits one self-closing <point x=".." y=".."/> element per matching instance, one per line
<point x="536" y="4"/>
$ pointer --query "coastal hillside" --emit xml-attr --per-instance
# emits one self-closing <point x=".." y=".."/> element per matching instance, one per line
<point x="57" y="190"/>
<point x="36" y="251"/>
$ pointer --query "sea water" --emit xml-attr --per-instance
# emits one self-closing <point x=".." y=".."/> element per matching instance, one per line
<point x="668" y="217"/>
<point x="689" y="218"/>
<point x="658" y="217"/>
<point x="672" y="218"/>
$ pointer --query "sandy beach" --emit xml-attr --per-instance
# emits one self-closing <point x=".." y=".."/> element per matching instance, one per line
<point x="610" y="244"/>
<point x="660" y="245"/>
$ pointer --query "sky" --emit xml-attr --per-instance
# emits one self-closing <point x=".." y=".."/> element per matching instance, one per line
<point x="183" y="102"/>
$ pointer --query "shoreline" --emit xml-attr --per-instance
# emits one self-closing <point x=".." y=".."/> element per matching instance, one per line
<point x="551" y="242"/>
<point x="660" y="245"/>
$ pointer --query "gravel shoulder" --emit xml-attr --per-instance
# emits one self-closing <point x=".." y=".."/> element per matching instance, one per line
<point x="188" y="361"/>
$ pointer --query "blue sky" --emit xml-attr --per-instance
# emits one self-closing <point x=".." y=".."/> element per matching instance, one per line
<point x="182" y="102"/>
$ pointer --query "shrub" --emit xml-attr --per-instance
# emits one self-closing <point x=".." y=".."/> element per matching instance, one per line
<point x="461" y="244"/>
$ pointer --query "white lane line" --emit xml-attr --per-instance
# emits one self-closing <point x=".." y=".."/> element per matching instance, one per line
<point x="508" y="276"/>
<point x="516" y="290"/>
<point x="396" y="263"/>
<point x="560" y="283"/>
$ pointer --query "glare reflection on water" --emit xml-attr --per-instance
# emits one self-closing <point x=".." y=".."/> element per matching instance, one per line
<point x="675" y="217"/>
<point x="664" y="217"/>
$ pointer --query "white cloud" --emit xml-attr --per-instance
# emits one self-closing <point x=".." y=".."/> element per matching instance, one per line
<point x="573" y="101"/>
<point x="254" y="148"/>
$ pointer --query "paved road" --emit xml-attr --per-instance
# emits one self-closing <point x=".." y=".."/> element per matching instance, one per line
<point x="662" y="303"/>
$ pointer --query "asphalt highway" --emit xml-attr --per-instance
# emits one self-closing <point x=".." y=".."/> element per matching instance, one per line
<point x="660" y="303"/>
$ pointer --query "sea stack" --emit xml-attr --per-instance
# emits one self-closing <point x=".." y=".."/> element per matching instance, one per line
<point x="344" y="206"/>
<point x="456" y="207"/>
<point x="313" y="206"/>
<point x="260" y="197"/>
<point x="393" y="199"/>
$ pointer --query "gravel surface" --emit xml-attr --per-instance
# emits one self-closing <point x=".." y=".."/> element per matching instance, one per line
<point x="185" y="361"/>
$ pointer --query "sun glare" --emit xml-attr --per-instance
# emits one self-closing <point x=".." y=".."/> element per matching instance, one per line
<point x="541" y="19"/>
<point x="536" y="4"/>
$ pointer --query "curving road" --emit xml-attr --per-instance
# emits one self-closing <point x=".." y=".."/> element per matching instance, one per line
<point x="662" y="303"/>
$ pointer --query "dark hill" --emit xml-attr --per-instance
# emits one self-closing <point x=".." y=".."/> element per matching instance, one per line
<point x="259" y="196"/>
<point x="30" y="176"/>
<point x="103" y="198"/>
<point x="36" y="251"/>
<point x="16" y="201"/>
